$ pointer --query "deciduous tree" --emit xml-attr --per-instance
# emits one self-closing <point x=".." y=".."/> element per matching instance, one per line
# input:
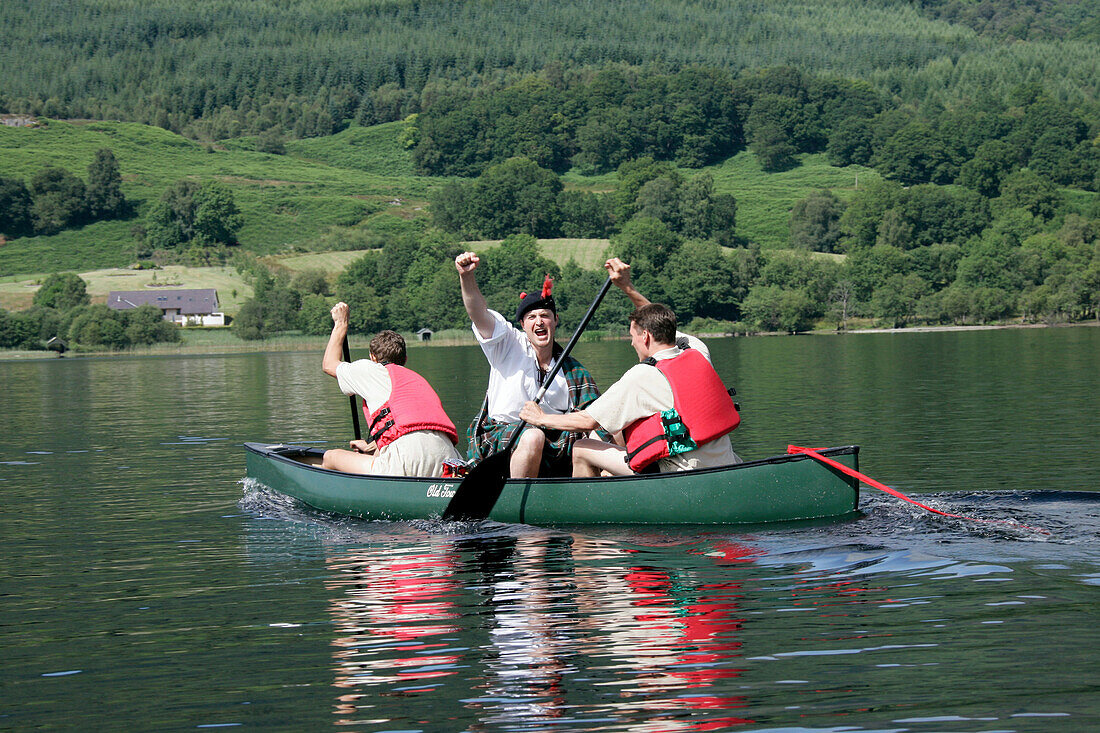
<point x="104" y="190"/>
<point x="189" y="212"/>
<point x="701" y="282"/>
<point x="815" y="222"/>
<point x="59" y="200"/>
<point x="15" y="208"/>
<point x="62" y="291"/>
<point x="1024" y="189"/>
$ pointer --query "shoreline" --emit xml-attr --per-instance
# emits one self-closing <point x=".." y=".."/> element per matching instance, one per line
<point x="308" y="344"/>
<point x="937" y="329"/>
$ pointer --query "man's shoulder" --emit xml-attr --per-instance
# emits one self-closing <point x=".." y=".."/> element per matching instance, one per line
<point x="507" y="341"/>
<point x="640" y="371"/>
<point x="687" y="341"/>
<point x="361" y="366"/>
<point x="508" y="329"/>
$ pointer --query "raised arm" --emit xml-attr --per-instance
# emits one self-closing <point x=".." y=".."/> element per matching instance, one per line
<point x="619" y="272"/>
<point x="335" y="347"/>
<point x="472" y="298"/>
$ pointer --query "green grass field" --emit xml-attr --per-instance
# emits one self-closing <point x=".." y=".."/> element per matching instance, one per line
<point x="332" y="196"/>
<point x="588" y="253"/>
<point x="17" y="292"/>
<point x="331" y="263"/>
<point x="294" y="202"/>
<point x="765" y="200"/>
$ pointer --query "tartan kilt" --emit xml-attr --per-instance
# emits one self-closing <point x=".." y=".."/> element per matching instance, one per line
<point x="489" y="436"/>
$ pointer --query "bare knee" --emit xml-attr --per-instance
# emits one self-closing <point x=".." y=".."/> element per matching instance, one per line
<point x="532" y="438"/>
<point x="595" y="457"/>
<point x="528" y="453"/>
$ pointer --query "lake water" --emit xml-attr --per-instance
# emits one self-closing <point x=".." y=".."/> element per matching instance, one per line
<point x="146" y="585"/>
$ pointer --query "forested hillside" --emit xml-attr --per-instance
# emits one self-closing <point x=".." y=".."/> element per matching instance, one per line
<point x="1020" y="19"/>
<point x="216" y="69"/>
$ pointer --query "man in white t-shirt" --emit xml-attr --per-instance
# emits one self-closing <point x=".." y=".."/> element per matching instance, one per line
<point x="519" y="360"/>
<point x="405" y="419"/>
<point x="644" y="399"/>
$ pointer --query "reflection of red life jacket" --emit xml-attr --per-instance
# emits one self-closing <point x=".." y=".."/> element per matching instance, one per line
<point x="699" y="398"/>
<point x="413" y="405"/>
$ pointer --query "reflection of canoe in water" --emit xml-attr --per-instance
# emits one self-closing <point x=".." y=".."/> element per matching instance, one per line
<point x="774" y="489"/>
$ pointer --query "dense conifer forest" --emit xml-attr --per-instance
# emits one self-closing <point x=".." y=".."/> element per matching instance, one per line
<point x="215" y="69"/>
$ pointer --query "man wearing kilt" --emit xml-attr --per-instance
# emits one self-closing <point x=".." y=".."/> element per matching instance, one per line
<point x="519" y="359"/>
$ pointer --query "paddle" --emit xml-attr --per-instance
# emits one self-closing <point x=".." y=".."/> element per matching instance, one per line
<point x="795" y="450"/>
<point x="478" y="493"/>
<point x="354" y="407"/>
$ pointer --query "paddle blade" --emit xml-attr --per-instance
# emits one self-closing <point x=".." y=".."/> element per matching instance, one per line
<point x="478" y="493"/>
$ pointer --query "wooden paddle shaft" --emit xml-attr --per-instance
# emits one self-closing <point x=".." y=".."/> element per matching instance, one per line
<point x="354" y="406"/>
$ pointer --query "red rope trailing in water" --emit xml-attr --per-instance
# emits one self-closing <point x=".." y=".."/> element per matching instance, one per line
<point x="794" y="450"/>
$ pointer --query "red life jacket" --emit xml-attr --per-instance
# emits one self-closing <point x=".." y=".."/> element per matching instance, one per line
<point x="413" y="405"/>
<point x="700" y="401"/>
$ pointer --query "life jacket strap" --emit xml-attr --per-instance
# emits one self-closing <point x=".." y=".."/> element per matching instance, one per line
<point x="381" y="414"/>
<point x="376" y="434"/>
<point x="630" y="455"/>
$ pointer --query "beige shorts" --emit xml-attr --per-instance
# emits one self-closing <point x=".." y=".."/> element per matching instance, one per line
<point x="417" y="454"/>
<point x="718" y="452"/>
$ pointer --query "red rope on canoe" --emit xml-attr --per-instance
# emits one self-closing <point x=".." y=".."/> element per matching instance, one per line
<point x="794" y="450"/>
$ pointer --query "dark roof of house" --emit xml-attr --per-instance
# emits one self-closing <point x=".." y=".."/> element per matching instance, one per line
<point x="187" y="302"/>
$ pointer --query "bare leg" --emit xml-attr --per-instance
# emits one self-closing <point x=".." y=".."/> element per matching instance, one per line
<point x="347" y="461"/>
<point x="590" y="457"/>
<point x="527" y="456"/>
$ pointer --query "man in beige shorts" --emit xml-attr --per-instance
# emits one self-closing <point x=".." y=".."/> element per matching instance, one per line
<point x="412" y="434"/>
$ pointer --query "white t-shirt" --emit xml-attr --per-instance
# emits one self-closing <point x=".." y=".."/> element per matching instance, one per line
<point x="643" y="391"/>
<point x="420" y="453"/>
<point x="368" y="379"/>
<point x="514" y="373"/>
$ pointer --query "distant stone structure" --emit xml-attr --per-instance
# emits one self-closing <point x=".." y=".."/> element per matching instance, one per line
<point x="19" y="121"/>
<point x="183" y="307"/>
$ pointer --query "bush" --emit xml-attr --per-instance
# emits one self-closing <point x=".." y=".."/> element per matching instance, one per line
<point x="316" y="315"/>
<point x="62" y="291"/>
<point x="15" y="208"/>
<point x="146" y="325"/>
<point x="770" y="308"/>
<point x="98" y="325"/>
<point x="249" y="323"/>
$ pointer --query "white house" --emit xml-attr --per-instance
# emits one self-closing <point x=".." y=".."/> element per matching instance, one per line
<point x="184" y="307"/>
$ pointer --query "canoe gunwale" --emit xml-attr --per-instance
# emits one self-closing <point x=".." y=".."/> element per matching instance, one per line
<point x="282" y="452"/>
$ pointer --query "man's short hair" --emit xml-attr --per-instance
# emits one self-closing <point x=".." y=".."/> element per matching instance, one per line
<point x="659" y="320"/>
<point x="388" y="346"/>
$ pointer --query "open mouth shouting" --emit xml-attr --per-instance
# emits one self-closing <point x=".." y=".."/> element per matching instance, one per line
<point x="539" y="327"/>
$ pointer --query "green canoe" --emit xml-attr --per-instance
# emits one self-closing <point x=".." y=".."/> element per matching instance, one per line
<point x="771" y="490"/>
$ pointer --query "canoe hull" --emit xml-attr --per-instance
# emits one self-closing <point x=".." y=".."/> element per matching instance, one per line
<point x="783" y="488"/>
